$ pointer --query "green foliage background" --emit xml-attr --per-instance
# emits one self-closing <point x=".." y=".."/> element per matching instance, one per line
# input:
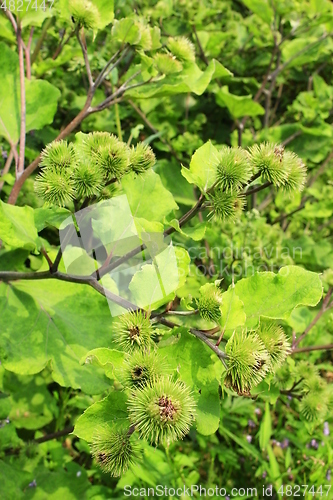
<point x="262" y="72"/>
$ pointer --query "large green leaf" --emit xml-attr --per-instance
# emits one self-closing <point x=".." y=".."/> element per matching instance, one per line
<point x="31" y="404"/>
<point x="232" y="310"/>
<point x="276" y="295"/>
<point x="261" y="8"/>
<point x="50" y="217"/>
<point x="238" y="106"/>
<point x="109" y="359"/>
<point x="155" y="284"/>
<point x="191" y="79"/>
<point x="202" y="171"/>
<point x="111" y="410"/>
<point x="192" y="360"/>
<point x="17" y="226"/>
<point x="147" y="196"/>
<point x="54" y="322"/>
<point x="41" y="98"/>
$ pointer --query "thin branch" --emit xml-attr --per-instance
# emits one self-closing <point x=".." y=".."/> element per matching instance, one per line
<point x="291" y="137"/>
<point x="83" y="45"/>
<point x="323" y="309"/>
<point x="153" y="129"/>
<point x="49" y="261"/>
<point x="7" y="166"/>
<point x="108" y="68"/>
<point x="20" y="166"/>
<point x="54" y="435"/>
<point x="326" y="347"/>
<point x="113" y="297"/>
<point x="27" y="54"/>
<point x="41" y="39"/>
<point x="258" y="188"/>
<point x="200" y="335"/>
<point x="320" y="170"/>
<point x="62" y="44"/>
<point x="281" y="67"/>
<point x="12" y="19"/>
<point x="284" y="216"/>
<point x="202" y="52"/>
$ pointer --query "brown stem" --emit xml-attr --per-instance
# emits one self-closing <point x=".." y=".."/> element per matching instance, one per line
<point x="12" y="19"/>
<point x="322" y="310"/>
<point x="6" y="168"/>
<point x="258" y="188"/>
<point x="20" y="166"/>
<point x="41" y="39"/>
<point x="27" y="54"/>
<point x="54" y="435"/>
<point x="83" y="45"/>
<point x="200" y="335"/>
<point x="49" y="261"/>
<point x="202" y="52"/>
<point x="153" y="129"/>
<point x="32" y="167"/>
<point x="327" y="347"/>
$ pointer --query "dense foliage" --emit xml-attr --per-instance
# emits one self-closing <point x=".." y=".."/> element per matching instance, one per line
<point x="166" y="248"/>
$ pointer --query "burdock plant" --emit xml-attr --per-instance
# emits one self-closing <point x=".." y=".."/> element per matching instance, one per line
<point x="115" y="449"/>
<point x="134" y="330"/>
<point x="209" y="302"/>
<point x="163" y="411"/>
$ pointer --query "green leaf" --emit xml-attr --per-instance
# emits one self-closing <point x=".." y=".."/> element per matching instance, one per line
<point x="261" y="8"/>
<point x="274" y="467"/>
<point x="50" y="217"/>
<point x="238" y="106"/>
<point x="265" y="430"/>
<point x="155" y="284"/>
<point x="111" y="410"/>
<point x="17" y="227"/>
<point x="232" y="310"/>
<point x="126" y="31"/>
<point x="31" y="412"/>
<point x="276" y="295"/>
<point x="41" y="99"/>
<point x="196" y="233"/>
<point x="250" y="450"/>
<point x="106" y="11"/>
<point x="147" y="196"/>
<point x="190" y="79"/>
<point x="109" y="359"/>
<point x="192" y="360"/>
<point x="13" y="480"/>
<point x="54" y="322"/>
<point x="202" y="171"/>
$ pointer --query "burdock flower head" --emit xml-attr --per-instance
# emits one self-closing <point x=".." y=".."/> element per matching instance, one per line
<point x="209" y="302"/>
<point x="114" y="449"/>
<point x="234" y="169"/>
<point x="134" y="331"/>
<point x="162" y="412"/>
<point x="84" y="13"/>
<point x="141" y="369"/>
<point x="141" y="158"/>
<point x="248" y="361"/>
